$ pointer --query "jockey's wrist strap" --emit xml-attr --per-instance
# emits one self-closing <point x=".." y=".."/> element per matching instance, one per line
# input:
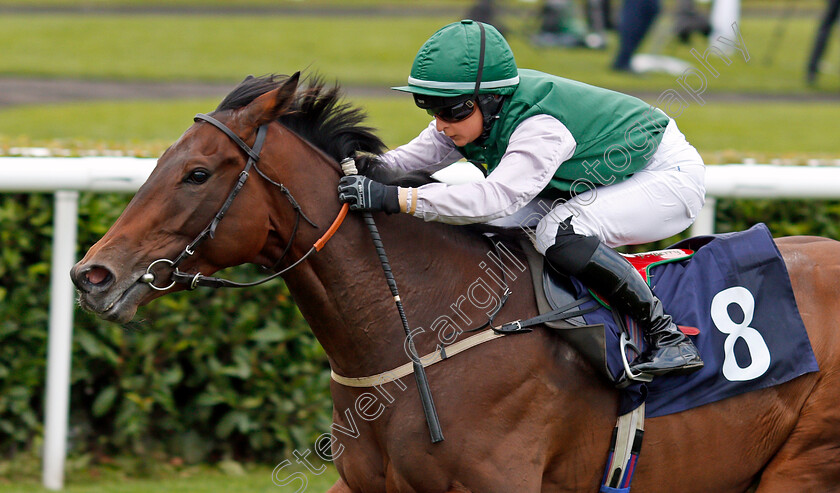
<point x="408" y="200"/>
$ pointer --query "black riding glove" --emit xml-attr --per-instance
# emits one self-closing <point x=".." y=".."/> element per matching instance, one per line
<point x="364" y="194"/>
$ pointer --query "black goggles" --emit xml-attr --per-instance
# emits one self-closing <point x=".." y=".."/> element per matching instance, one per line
<point x="455" y="113"/>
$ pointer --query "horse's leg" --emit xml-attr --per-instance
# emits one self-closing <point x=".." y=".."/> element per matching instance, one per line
<point x="340" y="487"/>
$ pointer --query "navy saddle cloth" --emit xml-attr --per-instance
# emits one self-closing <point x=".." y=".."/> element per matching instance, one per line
<point x="736" y="291"/>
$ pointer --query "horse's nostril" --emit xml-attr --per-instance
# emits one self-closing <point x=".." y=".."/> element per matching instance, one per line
<point x="98" y="276"/>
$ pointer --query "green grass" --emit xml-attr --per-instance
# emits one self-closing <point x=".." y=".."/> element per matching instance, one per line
<point x="234" y="3"/>
<point x="783" y="74"/>
<point x="356" y="50"/>
<point x="746" y="129"/>
<point x="747" y="4"/>
<point x="160" y="122"/>
<point x="763" y="129"/>
<point x="251" y="479"/>
<point x="377" y="52"/>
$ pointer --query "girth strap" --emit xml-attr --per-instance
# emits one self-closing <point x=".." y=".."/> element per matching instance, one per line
<point x="624" y="451"/>
<point x="561" y="313"/>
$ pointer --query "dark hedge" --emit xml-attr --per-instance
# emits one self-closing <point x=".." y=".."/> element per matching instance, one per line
<point x="199" y="375"/>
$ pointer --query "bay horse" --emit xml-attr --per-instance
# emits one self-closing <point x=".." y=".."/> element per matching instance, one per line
<point x="523" y="413"/>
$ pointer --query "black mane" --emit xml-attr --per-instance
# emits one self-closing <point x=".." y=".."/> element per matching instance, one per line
<point x="318" y="114"/>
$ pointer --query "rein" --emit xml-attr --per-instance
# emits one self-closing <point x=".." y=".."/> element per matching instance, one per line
<point x="253" y="153"/>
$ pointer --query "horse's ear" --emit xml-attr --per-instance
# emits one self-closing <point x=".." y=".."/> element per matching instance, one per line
<point x="286" y="93"/>
<point x="272" y="104"/>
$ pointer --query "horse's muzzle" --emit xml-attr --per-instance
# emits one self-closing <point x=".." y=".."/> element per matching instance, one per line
<point x="93" y="278"/>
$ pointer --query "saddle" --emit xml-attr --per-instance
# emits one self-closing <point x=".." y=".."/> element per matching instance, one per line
<point x="562" y="307"/>
<point x="555" y="291"/>
<point x="735" y="289"/>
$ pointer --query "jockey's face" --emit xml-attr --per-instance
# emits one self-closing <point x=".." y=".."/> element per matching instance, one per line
<point x="465" y="131"/>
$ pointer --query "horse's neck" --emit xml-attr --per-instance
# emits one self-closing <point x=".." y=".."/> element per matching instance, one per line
<point x="342" y="291"/>
<point x="344" y="296"/>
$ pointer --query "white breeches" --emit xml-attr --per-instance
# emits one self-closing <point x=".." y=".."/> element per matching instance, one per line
<point x="659" y="201"/>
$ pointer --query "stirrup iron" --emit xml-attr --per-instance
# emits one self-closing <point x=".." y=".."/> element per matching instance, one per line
<point x="635" y="377"/>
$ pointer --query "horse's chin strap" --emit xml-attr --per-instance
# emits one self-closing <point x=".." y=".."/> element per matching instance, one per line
<point x="253" y="153"/>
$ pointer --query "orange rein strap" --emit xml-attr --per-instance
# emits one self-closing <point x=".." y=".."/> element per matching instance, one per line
<point x="333" y="228"/>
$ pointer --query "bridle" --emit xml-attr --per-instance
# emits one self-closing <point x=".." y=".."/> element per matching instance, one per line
<point x="347" y="167"/>
<point x="253" y="153"/>
<point x="194" y="280"/>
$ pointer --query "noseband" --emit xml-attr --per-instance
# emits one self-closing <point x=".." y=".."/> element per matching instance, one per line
<point x="253" y="153"/>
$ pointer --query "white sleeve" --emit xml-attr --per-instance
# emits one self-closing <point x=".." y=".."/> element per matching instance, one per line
<point x="537" y="147"/>
<point x="427" y="149"/>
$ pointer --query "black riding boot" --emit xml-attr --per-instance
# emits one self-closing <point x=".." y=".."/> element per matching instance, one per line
<point x="611" y="276"/>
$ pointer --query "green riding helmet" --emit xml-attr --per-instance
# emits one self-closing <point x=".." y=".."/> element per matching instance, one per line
<point x="453" y="65"/>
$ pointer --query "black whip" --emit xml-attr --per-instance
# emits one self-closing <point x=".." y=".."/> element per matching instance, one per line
<point x="349" y="167"/>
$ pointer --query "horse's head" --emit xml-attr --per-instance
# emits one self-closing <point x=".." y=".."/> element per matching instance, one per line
<point x="174" y="219"/>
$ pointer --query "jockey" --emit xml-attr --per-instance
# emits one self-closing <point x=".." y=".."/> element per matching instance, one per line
<point x="584" y="168"/>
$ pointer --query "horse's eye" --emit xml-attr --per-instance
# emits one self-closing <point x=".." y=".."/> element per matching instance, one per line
<point x="197" y="176"/>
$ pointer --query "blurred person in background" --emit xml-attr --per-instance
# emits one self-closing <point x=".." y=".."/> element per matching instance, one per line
<point x="563" y="25"/>
<point x="486" y="11"/>
<point x="688" y="20"/>
<point x="829" y="18"/>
